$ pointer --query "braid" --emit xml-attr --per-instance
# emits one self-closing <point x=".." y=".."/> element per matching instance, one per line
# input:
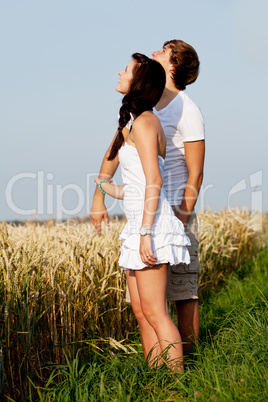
<point x="124" y="117"/>
<point x="124" y="112"/>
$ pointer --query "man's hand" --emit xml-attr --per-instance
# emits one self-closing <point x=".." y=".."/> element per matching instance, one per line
<point x="97" y="213"/>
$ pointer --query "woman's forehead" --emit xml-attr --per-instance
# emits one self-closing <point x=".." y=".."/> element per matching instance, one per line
<point x="131" y="65"/>
<point x="132" y="62"/>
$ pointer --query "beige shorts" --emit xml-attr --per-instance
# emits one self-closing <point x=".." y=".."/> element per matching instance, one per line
<point x="182" y="279"/>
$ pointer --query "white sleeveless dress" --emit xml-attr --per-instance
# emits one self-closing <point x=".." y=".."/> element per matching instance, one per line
<point x="168" y="237"/>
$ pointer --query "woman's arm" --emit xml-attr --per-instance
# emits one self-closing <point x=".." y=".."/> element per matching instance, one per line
<point x="144" y="135"/>
<point x="115" y="191"/>
<point x="108" y="168"/>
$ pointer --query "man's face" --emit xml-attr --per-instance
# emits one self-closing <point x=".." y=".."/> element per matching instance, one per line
<point x="163" y="57"/>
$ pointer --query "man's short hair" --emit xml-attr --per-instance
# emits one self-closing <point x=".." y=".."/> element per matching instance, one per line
<point x="185" y="62"/>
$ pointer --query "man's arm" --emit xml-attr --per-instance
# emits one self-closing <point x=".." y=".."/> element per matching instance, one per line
<point x="108" y="168"/>
<point x="194" y="158"/>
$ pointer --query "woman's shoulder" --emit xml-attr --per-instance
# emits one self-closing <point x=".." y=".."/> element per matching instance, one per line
<point x="146" y="127"/>
<point x="145" y="120"/>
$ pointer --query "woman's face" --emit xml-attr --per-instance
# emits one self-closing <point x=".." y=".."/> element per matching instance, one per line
<point x="125" y="78"/>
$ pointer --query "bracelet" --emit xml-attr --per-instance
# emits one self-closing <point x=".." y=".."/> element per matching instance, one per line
<point x="99" y="185"/>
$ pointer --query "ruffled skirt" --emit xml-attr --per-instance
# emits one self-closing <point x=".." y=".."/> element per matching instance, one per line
<point x="169" y="241"/>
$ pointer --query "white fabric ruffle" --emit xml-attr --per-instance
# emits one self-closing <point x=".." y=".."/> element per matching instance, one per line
<point x="168" y="247"/>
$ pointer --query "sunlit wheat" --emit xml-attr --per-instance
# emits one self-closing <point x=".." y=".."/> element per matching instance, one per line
<point x="60" y="285"/>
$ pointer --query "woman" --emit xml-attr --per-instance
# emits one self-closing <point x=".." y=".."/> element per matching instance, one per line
<point x="153" y="237"/>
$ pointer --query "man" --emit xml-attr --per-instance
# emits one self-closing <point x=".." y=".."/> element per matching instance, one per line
<point x="183" y="125"/>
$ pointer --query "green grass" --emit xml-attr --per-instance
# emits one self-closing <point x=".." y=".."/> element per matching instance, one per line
<point x="229" y="363"/>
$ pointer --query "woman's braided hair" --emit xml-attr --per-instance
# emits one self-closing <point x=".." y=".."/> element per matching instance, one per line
<point x="145" y="91"/>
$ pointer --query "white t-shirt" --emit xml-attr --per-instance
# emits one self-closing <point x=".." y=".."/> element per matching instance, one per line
<point x="182" y="122"/>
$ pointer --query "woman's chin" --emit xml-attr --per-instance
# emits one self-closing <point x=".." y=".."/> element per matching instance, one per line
<point x="118" y="89"/>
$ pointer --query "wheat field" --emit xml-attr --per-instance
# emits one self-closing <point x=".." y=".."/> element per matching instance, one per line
<point x="61" y="289"/>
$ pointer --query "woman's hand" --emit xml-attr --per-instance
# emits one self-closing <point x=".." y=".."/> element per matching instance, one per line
<point x="146" y="252"/>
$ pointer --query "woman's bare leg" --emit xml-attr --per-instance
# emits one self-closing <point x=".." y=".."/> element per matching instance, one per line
<point x="151" y="287"/>
<point x="148" y="335"/>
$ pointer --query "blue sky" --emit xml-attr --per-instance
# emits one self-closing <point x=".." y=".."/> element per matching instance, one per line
<point x="59" y="108"/>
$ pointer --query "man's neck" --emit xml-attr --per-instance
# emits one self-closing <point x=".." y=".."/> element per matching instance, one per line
<point x="169" y="93"/>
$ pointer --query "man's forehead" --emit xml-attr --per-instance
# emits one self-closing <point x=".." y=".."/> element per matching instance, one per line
<point x="166" y="47"/>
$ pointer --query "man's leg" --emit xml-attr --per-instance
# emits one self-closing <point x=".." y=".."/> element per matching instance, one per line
<point x="182" y="288"/>
<point x="188" y="322"/>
